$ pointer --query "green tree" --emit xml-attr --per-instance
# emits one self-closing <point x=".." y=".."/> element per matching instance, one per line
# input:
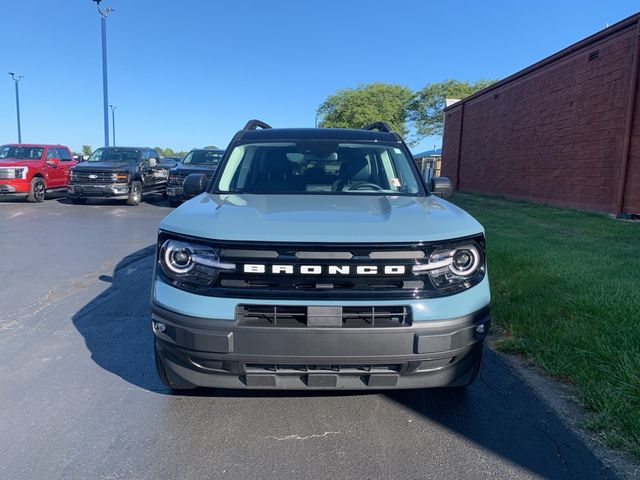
<point x="211" y="147"/>
<point x="167" y="152"/>
<point x="159" y="150"/>
<point x="86" y="150"/>
<point x="427" y="107"/>
<point x="355" y="107"/>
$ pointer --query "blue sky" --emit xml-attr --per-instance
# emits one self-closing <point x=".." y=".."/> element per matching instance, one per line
<point x="191" y="73"/>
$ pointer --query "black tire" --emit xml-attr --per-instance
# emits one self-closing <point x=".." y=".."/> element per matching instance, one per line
<point x="135" y="194"/>
<point x="37" y="190"/>
<point x="78" y="201"/>
<point x="165" y="195"/>
<point x="175" y="203"/>
<point x="162" y="373"/>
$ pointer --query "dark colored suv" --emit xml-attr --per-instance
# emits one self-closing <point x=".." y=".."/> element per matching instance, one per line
<point x="118" y="172"/>
<point x="197" y="161"/>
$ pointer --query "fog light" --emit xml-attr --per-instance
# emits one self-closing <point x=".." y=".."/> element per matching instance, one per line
<point x="158" y="327"/>
<point x="482" y="328"/>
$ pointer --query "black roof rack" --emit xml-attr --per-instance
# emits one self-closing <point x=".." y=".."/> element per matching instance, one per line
<point x="254" y="124"/>
<point x="380" y="126"/>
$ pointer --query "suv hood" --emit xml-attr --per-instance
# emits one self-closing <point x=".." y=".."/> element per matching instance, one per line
<point x="110" y="166"/>
<point x="193" y="168"/>
<point x="104" y="166"/>
<point x="320" y="218"/>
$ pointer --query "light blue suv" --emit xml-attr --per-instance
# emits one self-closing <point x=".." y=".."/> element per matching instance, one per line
<point x="319" y="259"/>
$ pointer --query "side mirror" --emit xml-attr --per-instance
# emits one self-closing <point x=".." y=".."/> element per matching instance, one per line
<point x="153" y="162"/>
<point x="195" y="183"/>
<point x="53" y="162"/>
<point x="441" y="186"/>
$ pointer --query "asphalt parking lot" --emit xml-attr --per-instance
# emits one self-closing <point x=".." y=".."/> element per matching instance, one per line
<point x="79" y="396"/>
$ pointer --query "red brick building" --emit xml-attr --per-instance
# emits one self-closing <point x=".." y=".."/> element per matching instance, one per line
<point x="565" y="131"/>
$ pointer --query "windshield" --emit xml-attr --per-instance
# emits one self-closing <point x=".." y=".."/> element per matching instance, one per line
<point x="21" y="153"/>
<point x="318" y="167"/>
<point x="114" y="155"/>
<point x="202" y="157"/>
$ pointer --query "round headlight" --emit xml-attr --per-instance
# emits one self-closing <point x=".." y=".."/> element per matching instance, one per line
<point x="465" y="261"/>
<point x="177" y="257"/>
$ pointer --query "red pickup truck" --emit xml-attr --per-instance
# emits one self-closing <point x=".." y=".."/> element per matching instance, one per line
<point x="34" y="169"/>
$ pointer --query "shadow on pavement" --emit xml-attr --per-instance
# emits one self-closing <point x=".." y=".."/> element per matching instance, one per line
<point x="22" y="198"/>
<point x="498" y="413"/>
<point x="502" y="414"/>
<point x="117" y="331"/>
<point x="157" y="200"/>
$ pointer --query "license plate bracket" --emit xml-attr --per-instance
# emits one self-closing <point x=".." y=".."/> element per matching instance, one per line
<point x="324" y="316"/>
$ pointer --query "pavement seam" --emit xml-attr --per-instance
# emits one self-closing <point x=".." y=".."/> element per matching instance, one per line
<point x="547" y="435"/>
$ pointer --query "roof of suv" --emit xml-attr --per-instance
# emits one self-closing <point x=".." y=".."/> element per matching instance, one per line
<point x="374" y="132"/>
<point x="317" y="134"/>
<point x="126" y="148"/>
<point x="38" y="145"/>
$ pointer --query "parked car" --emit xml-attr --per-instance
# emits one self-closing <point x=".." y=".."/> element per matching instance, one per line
<point x="319" y="259"/>
<point x="34" y="170"/>
<point x="118" y="172"/>
<point x="196" y="161"/>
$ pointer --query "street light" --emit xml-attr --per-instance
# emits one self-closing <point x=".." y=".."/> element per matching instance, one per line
<point x="16" y="79"/>
<point x="113" y="122"/>
<point x="105" y="88"/>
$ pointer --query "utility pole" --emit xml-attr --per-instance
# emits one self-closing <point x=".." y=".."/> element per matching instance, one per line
<point x="113" y="122"/>
<point x="105" y="87"/>
<point x="16" y="79"/>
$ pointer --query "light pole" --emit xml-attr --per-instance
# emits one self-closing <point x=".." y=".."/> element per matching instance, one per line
<point x="113" y="122"/>
<point x="105" y="88"/>
<point x="16" y="79"/>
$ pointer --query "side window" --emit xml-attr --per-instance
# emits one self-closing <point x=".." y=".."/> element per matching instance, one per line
<point x="52" y="153"/>
<point x="64" y="155"/>
<point x="144" y="156"/>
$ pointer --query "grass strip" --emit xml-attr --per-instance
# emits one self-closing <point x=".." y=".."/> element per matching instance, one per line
<point x="566" y="294"/>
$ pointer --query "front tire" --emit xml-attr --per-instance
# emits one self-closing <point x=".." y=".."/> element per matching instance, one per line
<point x="174" y="203"/>
<point x="135" y="194"/>
<point x="37" y="190"/>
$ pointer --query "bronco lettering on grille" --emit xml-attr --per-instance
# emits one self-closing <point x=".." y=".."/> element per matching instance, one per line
<point x="325" y="269"/>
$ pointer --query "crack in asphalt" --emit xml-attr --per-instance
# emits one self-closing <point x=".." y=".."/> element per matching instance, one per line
<point x="547" y="435"/>
<point x="298" y="437"/>
<point x="120" y="268"/>
<point x="63" y="291"/>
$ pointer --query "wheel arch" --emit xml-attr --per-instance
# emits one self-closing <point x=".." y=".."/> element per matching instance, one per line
<point x="39" y="175"/>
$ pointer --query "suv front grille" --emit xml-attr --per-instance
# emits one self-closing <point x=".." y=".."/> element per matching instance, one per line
<point x="309" y="273"/>
<point x="305" y="271"/>
<point x="177" y="179"/>
<point x="298" y="316"/>
<point x="7" y="173"/>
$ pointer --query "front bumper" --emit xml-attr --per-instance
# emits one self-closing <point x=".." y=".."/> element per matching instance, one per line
<point x="98" y="190"/>
<point x="7" y="189"/>
<point x="218" y="353"/>
<point x="18" y="185"/>
<point x="177" y="193"/>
